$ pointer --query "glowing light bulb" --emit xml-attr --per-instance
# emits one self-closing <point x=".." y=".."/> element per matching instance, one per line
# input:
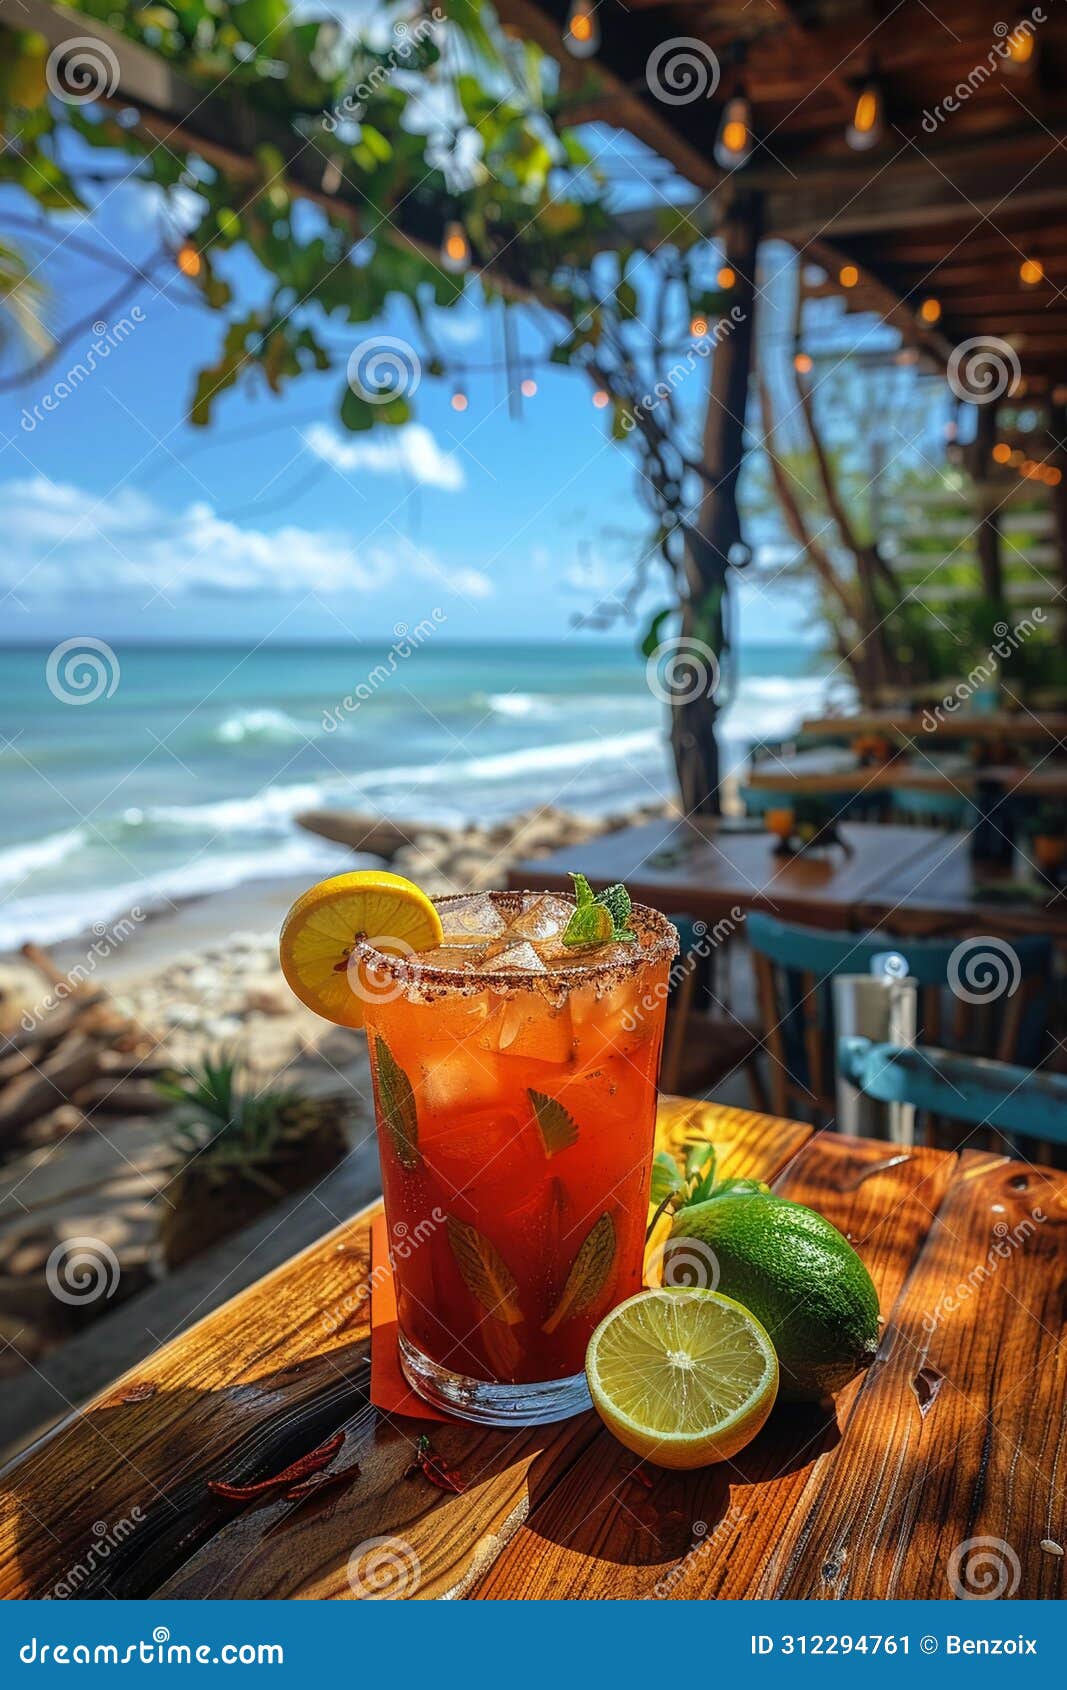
<point x="848" y="275"/>
<point x="528" y="387"/>
<point x="1020" y="44"/>
<point x="868" y="119"/>
<point x="726" y="277"/>
<point x="455" y="248"/>
<point x="1001" y="452"/>
<point x="733" y="144"/>
<point x="600" y="398"/>
<point x="459" y="400"/>
<point x="930" y="310"/>
<point x="1055" y="476"/>
<point x="581" y="37"/>
<point x="188" y="260"/>
<point x="1031" y="272"/>
<point x="699" y="327"/>
<point x="803" y="363"/>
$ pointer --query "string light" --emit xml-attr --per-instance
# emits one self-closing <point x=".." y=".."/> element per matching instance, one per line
<point x="459" y="400"/>
<point x="1031" y="272"/>
<point x="528" y="387"/>
<point x="803" y="363"/>
<point x="1001" y="452"/>
<point x="733" y="144"/>
<point x="581" y="37"/>
<point x="726" y="277"/>
<point x="868" y="119"/>
<point x="455" y="248"/>
<point x="188" y="260"/>
<point x="906" y="357"/>
<point x="600" y="398"/>
<point x="1020" y="44"/>
<point x="848" y="275"/>
<point x="930" y="310"/>
<point x="698" y="327"/>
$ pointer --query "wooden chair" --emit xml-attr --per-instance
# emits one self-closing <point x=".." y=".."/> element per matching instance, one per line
<point x="702" y="1047"/>
<point x="1010" y="1102"/>
<point x="796" y="965"/>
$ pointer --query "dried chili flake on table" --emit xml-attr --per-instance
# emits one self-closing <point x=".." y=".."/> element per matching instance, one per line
<point x="294" y="1474"/>
<point x="435" y="1468"/>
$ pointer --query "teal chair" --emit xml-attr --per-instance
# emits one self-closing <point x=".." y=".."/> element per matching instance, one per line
<point x="917" y="807"/>
<point x="795" y="967"/>
<point x="702" y="1048"/>
<point x="1013" y="1102"/>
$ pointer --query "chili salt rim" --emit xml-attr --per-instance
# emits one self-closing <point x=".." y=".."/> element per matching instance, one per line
<point x="423" y="982"/>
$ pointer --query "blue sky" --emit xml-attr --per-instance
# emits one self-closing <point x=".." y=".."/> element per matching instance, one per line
<point x="277" y="524"/>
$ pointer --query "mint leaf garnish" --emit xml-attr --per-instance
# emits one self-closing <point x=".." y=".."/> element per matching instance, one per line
<point x="555" y="1123"/>
<point x="599" y="920"/>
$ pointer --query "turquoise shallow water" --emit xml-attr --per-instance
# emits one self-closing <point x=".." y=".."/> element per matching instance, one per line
<point x="185" y="776"/>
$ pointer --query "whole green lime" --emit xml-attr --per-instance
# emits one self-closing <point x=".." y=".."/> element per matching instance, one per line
<point x="794" y="1271"/>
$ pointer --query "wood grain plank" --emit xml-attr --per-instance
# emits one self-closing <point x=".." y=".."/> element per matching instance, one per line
<point x="259" y="1382"/>
<point x="619" y="1528"/>
<point x="449" y="1539"/>
<point x="984" y="1314"/>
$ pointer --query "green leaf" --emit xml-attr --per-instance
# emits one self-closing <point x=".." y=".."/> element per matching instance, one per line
<point x="588" y="1275"/>
<point x="601" y="919"/>
<point x="618" y="903"/>
<point x="583" y="892"/>
<point x="591" y="924"/>
<point x="665" y="1177"/>
<point x="654" y="637"/>
<point x="396" y="1105"/>
<point x="557" y="1125"/>
<point x="699" y="1159"/>
<point x="484" y="1272"/>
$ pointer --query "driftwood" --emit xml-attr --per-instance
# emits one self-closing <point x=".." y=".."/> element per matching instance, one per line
<point x="79" y="1049"/>
<point x="372" y="834"/>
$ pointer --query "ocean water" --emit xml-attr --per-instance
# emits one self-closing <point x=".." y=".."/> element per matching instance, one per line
<point x="184" y="776"/>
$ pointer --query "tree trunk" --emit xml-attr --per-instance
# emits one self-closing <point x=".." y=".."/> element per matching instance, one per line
<point x="717" y="530"/>
<point x="989" y="559"/>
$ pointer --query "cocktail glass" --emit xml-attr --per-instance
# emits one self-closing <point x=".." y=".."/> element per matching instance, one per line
<point x="515" y="1092"/>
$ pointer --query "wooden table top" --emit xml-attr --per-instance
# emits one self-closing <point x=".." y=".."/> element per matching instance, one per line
<point x="945" y="891"/>
<point x="837" y="770"/>
<point x="956" y="1432"/>
<point x="1017" y="725"/>
<point x="685" y="868"/>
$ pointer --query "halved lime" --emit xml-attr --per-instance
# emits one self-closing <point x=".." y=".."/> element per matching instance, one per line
<point x="682" y="1377"/>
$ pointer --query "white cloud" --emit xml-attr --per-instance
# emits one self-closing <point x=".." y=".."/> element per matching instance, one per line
<point x="62" y="542"/>
<point x="409" y="450"/>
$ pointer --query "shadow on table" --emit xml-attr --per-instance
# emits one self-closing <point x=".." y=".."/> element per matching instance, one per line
<point x="118" y="1499"/>
<point x="613" y="1508"/>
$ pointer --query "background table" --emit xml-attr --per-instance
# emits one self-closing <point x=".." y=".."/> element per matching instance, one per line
<point x="690" y="868"/>
<point x="958" y="1430"/>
